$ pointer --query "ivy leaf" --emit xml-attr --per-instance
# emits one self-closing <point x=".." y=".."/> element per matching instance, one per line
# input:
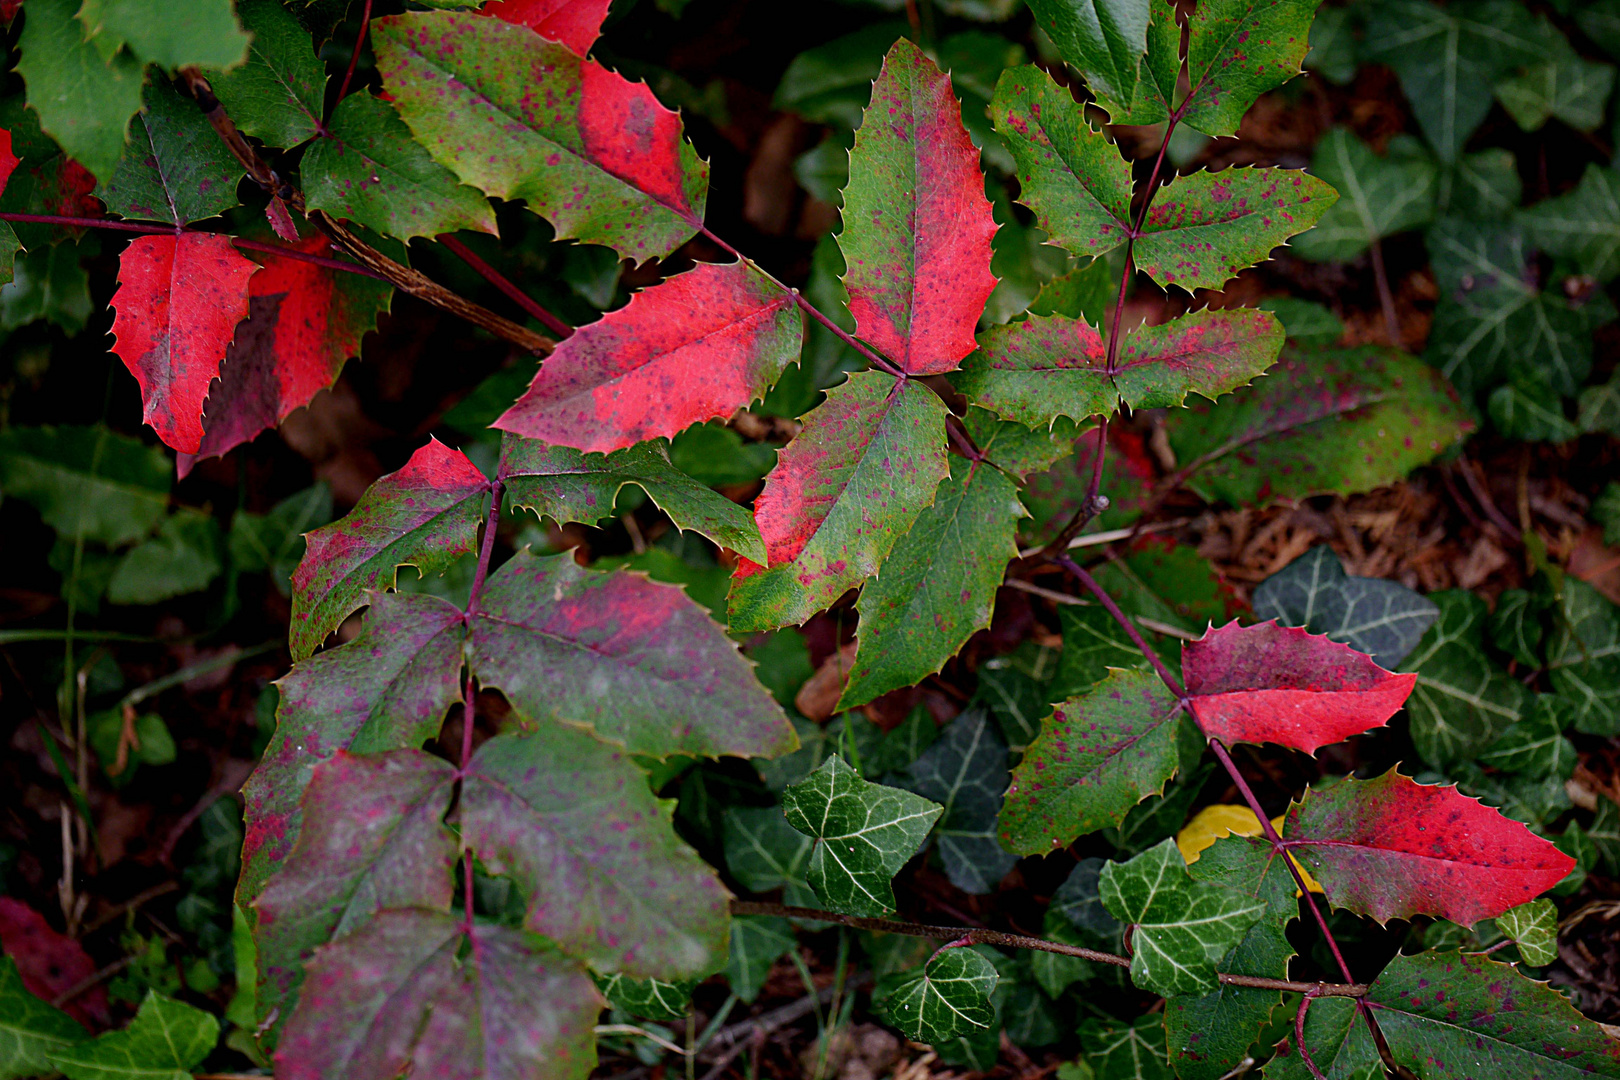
<point x="1127" y="1051"/>
<point x="917" y="226"/>
<point x="842" y="494"/>
<point x="938" y="585"/>
<point x="1515" y="626"/>
<point x="757" y="943"/>
<point x="650" y="999"/>
<point x="367" y="168"/>
<point x="175" y="167"/>
<point x="1533" y="413"/>
<point x="864" y="834"/>
<point x="1382" y="196"/>
<point x="519" y="117"/>
<point x="87" y="481"/>
<point x="1584" y="656"/>
<point x="418" y="991"/>
<point x="30" y="1030"/>
<point x="1180" y="928"/>
<point x="723" y="333"/>
<point x="203" y="32"/>
<point x="575" y="24"/>
<point x="1564" y="85"/>
<point x="1107" y="40"/>
<point x="166" y="1041"/>
<point x="1238" y="50"/>
<point x="965" y="771"/>
<point x="1093" y="642"/>
<point x="572" y="821"/>
<point x="1392" y="848"/>
<point x="423" y="515"/>
<point x="277" y="95"/>
<point x="636" y="661"/>
<point x="1275" y="684"/>
<point x="948" y="998"/>
<point x="1383" y="619"/>
<point x="1097" y="756"/>
<point x="1534" y="930"/>
<point x="1582" y="224"/>
<point x="1461" y="702"/>
<point x="84" y="100"/>
<point x="763" y="852"/>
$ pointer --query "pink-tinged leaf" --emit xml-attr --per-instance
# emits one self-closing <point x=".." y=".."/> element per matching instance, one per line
<point x="573" y="23"/>
<point x="1392" y="848"/>
<point x="179" y="299"/>
<point x="1205" y="352"/>
<point x="374" y="837"/>
<point x="1277" y="684"/>
<point x="416" y="992"/>
<point x="843" y="492"/>
<point x="698" y="346"/>
<point x="917" y="226"/>
<point x="520" y="117"/>
<point x="8" y="160"/>
<point x="1039" y="369"/>
<point x="425" y="515"/>
<point x="571" y="819"/>
<point x="638" y="662"/>
<point x="51" y="963"/>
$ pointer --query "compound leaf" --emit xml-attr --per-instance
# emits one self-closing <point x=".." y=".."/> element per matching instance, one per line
<point x="1379" y="196"/>
<point x="1238" y="50"/>
<point x="1383" y="619"/>
<point x="200" y="32"/>
<point x="175" y="167"/>
<point x="276" y="96"/>
<point x="84" y="99"/>
<point x="1462" y="702"/>
<point x="948" y="998"/>
<point x="965" y="771"/>
<point x="1038" y="369"/>
<point x="575" y="24"/>
<point x="166" y="1041"/>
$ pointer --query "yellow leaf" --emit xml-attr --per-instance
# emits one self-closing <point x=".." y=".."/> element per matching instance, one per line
<point x="1213" y="822"/>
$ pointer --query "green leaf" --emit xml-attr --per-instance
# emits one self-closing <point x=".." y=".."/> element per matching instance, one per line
<point x="1534" y="929"/>
<point x="1107" y="40"/>
<point x="30" y="1030"/>
<point x="1017" y="700"/>
<point x="1333" y="45"/>
<point x="200" y="32"/>
<point x="10" y="247"/>
<point x="757" y="943"/>
<point x="1097" y="756"/>
<point x="1379" y="196"/>
<point x="87" y="481"/>
<point x="1078" y="901"/>
<point x="1584" y="655"/>
<point x="274" y="542"/>
<point x="1530" y="414"/>
<point x="1238" y="50"/>
<point x="165" y="1041"/>
<point x="830" y="84"/>
<point x="1119" y="1051"/>
<point x="650" y="999"/>
<point x="1606" y="512"/>
<point x="1170" y="583"/>
<point x="1304" y="321"/>
<point x="84" y="100"/>
<point x="1383" y="619"/>
<point x="1600" y="408"/>
<point x="1029" y="1019"/>
<point x="367" y="168"/>
<point x="906" y="742"/>
<point x="1583" y="224"/>
<point x="1515" y="625"/>
<point x="1093" y="642"/>
<point x="175" y="167"/>
<point x="1339" y="1043"/>
<point x="948" y="998"/>
<point x="1182" y="928"/>
<point x="763" y="852"/>
<point x="864" y="834"/>
<point x="276" y="96"/>
<point x="965" y="771"/>
<point x="48" y="283"/>
<point x="1206" y="352"/>
<point x="1605" y="833"/>
<point x="1482" y="186"/>
<point x="717" y="456"/>
<point x="1536" y="744"/>
<point x="184" y="557"/>
<point x="1565" y="86"/>
<point x="1461" y="703"/>
<point x="1056" y="972"/>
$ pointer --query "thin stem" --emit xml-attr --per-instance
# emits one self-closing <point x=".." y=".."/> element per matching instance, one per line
<point x="1386" y="299"/>
<point x="486" y="550"/>
<point x="1299" y="1037"/>
<point x="1126" y="624"/>
<point x="354" y="57"/>
<point x="1092" y="505"/>
<point x="877" y="359"/>
<point x="512" y="292"/>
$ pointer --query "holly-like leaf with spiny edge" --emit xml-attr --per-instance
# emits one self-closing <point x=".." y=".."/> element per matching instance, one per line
<point x="178" y="302"/>
<point x="277" y="94"/>
<point x="650" y="999"/>
<point x="175" y="167"/>
<point x="695" y="347"/>
<point x="423" y="992"/>
<point x="423" y="515"/>
<point x="204" y="33"/>
<point x="917" y="226"/>
<point x="519" y="117"/>
<point x="842" y="495"/>
<point x="864" y="834"/>
<point x="1038" y="369"/>
<point x="9" y="244"/>
<point x="572" y="821"/>
<point x="1238" y="50"/>
<point x="1097" y="755"/>
<point x="948" y="998"/>
<point x="572" y="23"/>
<point x="1107" y="40"/>
<point x="166" y="1041"/>
<point x="1206" y="352"/>
<point x="636" y="661"/>
<point x="1383" y="619"/>
<point x="1275" y="684"/>
<point x="1392" y="848"/>
<point x="84" y="100"/>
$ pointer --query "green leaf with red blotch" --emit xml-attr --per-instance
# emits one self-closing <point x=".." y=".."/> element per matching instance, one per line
<point x="367" y="168"/>
<point x="1107" y="40"/>
<point x="304" y="322"/>
<point x="1205" y="352"/>
<point x="938" y="585"/>
<point x="175" y="167"/>
<point x="636" y="661"/>
<point x="917" y="227"/>
<point x="568" y="485"/>
<point x="575" y="24"/>
<point x="572" y="821"/>
<point x="841" y="496"/>
<point x="519" y="117"/>
<point x="1097" y="756"/>
<point x="419" y="992"/>
<point x="424" y="515"/>
<point x="9" y="244"/>
<point x="1205" y="228"/>
<point x="374" y="837"/>
<point x="46" y="181"/>
<point x="695" y="347"/>
<point x="1278" y="684"/>
<point x="1238" y="50"/>
<point x="1392" y="848"/>
<point x="178" y="302"/>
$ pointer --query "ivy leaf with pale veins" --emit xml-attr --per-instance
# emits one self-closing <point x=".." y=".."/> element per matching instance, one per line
<point x="1097" y="755"/>
<point x="1564" y="85"/>
<point x="417" y="991"/>
<point x="1583" y="224"/>
<point x="84" y="100"/>
<point x="938" y="586"/>
<point x="572" y="821"/>
<point x="1107" y="40"/>
<point x="650" y="999"/>
<point x="1462" y="702"/>
<point x="1383" y="619"/>
<point x="1536" y="744"/>
<point x="948" y="998"/>
<point x="1534" y="930"/>
<point x="519" y="117"/>
<point x="277" y="95"/>
<point x="965" y="771"/>
<point x="864" y="834"/>
<point x="1238" y="50"/>
<point x="1093" y="642"/>
<point x="763" y="852"/>
<point x="175" y="167"/>
<point x="757" y="943"/>
<point x="423" y="515"/>
<point x="30" y="1029"/>
<point x="842" y="495"/>
<point x="1584" y="656"/>
<point x="1378" y="196"/>
<point x="917" y="227"/>
<point x="166" y="1041"/>
<point x="1206" y="352"/>
<point x="1120" y="1051"/>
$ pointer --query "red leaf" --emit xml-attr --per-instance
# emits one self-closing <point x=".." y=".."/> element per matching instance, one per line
<point x="179" y="299"/>
<point x="1392" y="848"/>
<point x="1276" y="684"/>
<point x="8" y="160"/>
<point x="50" y="963"/>
<point x="572" y="23"/>
<point x="698" y="346"/>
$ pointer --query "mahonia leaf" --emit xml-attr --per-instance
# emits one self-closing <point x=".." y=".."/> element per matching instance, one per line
<point x="1121" y="1051"/>
<point x="636" y="661"/>
<point x="1205" y="352"/>
<point x="1340" y="1045"/>
<point x="1462" y="702"/>
<point x="763" y="852"/>
<point x="1534" y="930"/>
<point x="203" y="33"/>
<point x="84" y="100"/>
<point x="917" y="226"/>
<point x="1276" y="684"/>
<point x="938" y="585"/>
<point x="519" y="117"/>
<point x="721" y="333"/>
<point x="423" y="515"/>
<point x="30" y="1030"/>
<point x="1038" y="369"/>
<point x="572" y="821"/>
<point x="175" y="167"/>
<point x="1238" y="50"/>
<point x="1584" y="657"/>
<point x="1582" y="224"/>
<point x="178" y="302"/>
<point x="166" y="1041"/>
<point x="1097" y="756"/>
<point x="1392" y="848"/>
<point x="842" y="495"/>
<point x="757" y="943"/>
<point x="864" y="834"/>
<point x="1106" y="40"/>
<point x="277" y="95"/>
<point x="572" y="23"/>
<point x="965" y="771"/>
<point x="1016" y="448"/>
<point x="421" y="992"/>
<point x="1383" y="619"/>
<point x="1382" y="196"/>
<point x="948" y="998"/>
<point x="87" y="481"/>
<point x="650" y="999"/>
